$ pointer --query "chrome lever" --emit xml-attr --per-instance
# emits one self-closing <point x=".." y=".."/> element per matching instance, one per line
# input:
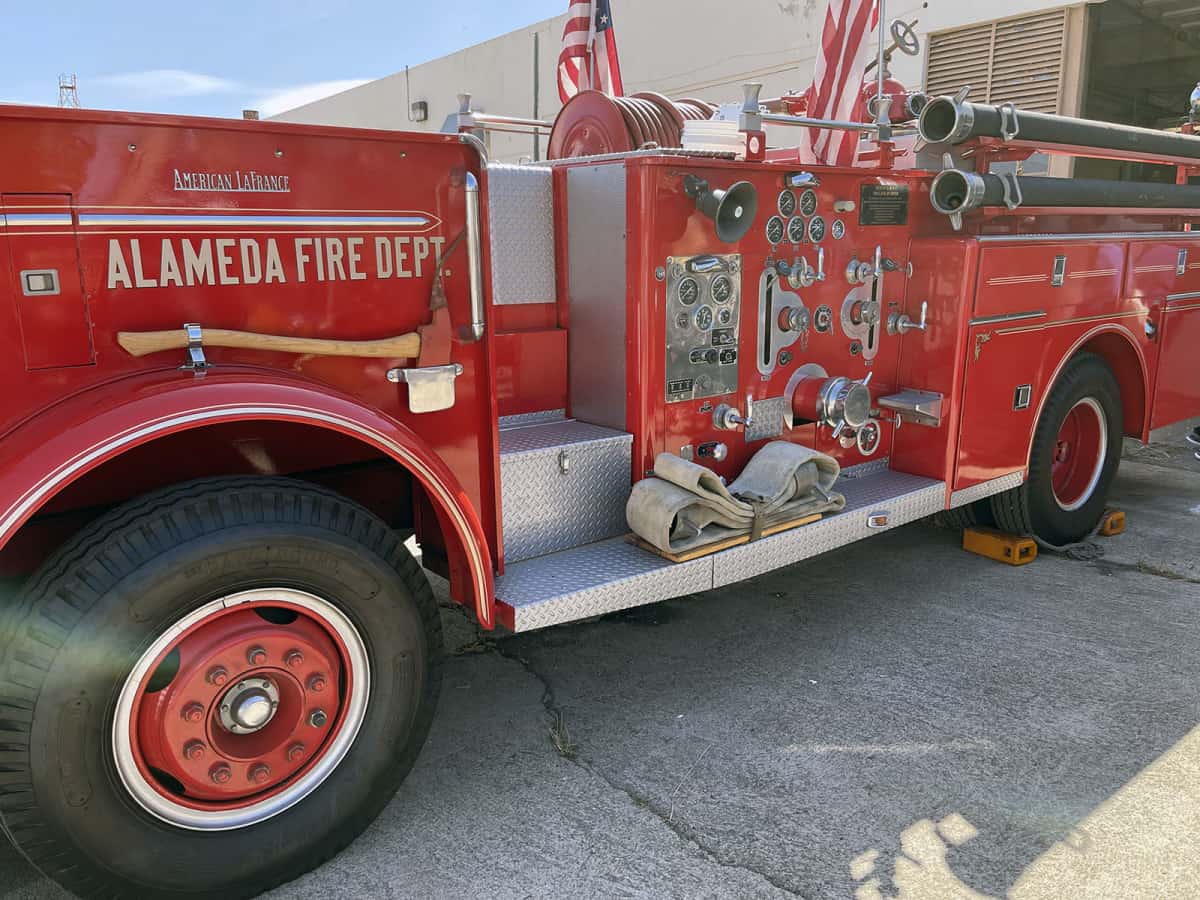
<point x="901" y="323"/>
<point x="728" y="418"/>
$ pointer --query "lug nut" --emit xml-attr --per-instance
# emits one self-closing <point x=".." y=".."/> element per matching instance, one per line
<point x="318" y="718"/>
<point x="217" y="675"/>
<point x="220" y="773"/>
<point x="294" y="752"/>
<point x="294" y="659"/>
<point x="194" y="750"/>
<point x="193" y="712"/>
<point x="316" y="683"/>
<point x="256" y="656"/>
<point x="259" y="773"/>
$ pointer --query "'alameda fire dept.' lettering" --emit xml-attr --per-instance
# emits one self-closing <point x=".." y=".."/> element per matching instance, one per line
<point x="183" y="262"/>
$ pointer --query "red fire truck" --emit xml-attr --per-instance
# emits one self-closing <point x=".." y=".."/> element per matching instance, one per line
<point x="241" y="360"/>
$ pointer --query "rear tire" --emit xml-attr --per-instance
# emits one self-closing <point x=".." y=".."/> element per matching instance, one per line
<point x="1074" y="458"/>
<point x="113" y="664"/>
<point x="970" y="515"/>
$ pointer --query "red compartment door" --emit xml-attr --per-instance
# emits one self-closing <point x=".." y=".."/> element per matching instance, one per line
<point x="1177" y="391"/>
<point x="46" y="286"/>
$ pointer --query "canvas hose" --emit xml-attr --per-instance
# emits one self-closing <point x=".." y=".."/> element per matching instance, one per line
<point x="685" y="505"/>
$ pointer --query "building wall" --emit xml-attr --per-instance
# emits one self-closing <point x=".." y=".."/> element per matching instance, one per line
<point x="682" y="48"/>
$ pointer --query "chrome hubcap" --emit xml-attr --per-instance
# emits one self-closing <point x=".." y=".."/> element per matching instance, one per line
<point x="249" y="706"/>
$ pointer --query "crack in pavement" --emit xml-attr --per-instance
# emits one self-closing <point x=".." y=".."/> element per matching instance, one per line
<point x="681" y="831"/>
<point x="1142" y="568"/>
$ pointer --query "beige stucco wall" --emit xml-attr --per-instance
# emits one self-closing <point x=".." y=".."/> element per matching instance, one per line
<point x="678" y="47"/>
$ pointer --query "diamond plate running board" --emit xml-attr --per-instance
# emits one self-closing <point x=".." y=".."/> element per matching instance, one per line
<point x="613" y="574"/>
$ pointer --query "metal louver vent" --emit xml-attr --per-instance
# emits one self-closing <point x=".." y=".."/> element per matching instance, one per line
<point x="1016" y="61"/>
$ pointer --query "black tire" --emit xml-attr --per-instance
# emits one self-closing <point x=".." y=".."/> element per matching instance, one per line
<point x="110" y="592"/>
<point x="1032" y="508"/>
<point x="970" y="515"/>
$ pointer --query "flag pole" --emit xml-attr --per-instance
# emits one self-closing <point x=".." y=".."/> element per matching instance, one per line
<point x="881" y="106"/>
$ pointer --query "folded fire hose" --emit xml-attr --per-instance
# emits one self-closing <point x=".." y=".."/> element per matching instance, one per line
<point x="686" y="506"/>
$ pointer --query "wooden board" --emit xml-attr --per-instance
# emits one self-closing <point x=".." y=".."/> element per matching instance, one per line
<point x="724" y="544"/>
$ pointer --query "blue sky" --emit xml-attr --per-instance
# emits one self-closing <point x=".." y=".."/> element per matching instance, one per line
<point x="217" y="57"/>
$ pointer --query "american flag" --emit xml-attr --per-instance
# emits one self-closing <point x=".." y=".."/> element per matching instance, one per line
<point x="837" y="82"/>
<point x="588" y="60"/>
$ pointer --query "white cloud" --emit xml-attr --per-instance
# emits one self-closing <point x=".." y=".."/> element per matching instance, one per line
<point x="289" y="98"/>
<point x="169" y="83"/>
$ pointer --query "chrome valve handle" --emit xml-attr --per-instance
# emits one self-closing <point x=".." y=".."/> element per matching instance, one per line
<point x="901" y="323"/>
<point x="728" y="418"/>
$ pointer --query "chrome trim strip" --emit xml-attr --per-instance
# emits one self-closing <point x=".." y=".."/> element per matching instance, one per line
<point x="225" y="220"/>
<point x="1008" y="317"/>
<point x="983" y="489"/>
<point x="1186" y="295"/>
<point x="475" y="259"/>
<point x="27" y="219"/>
<point x="1060" y="238"/>
<point x="1083" y="319"/>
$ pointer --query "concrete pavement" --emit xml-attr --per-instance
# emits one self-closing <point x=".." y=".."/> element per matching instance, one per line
<point x="895" y="719"/>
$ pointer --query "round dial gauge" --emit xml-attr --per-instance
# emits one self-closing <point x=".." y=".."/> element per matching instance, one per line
<point x="683" y="320"/>
<point x="837" y="230"/>
<point x="704" y="318"/>
<point x="787" y="204"/>
<point x="689" y="291"/>
<point x="816" y="229"/>
<point x="808" y="202"/>
<point x="775" y="229"/>
<point x="795" y="230"/>
<point x="725" y="316"/>
<point x="823" y="319"/>
<point x="722" y="289"/>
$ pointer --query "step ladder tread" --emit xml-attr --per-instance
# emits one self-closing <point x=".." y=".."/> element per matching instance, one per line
<point x="614" y="574"/>
<point x="554" y="436"/>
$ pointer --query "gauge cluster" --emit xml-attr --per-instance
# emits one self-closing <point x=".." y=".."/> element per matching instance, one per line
<point x="703" y="310"/>
<point x="797" y="221"/>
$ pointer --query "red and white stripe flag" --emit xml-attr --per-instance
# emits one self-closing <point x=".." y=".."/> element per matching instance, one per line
<point x="588" y="60"/>
<point x="837" y="81"/>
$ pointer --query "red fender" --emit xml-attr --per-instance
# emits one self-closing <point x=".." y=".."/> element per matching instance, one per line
<point x="50" y="451"/>
<point x="1115" y="328"/>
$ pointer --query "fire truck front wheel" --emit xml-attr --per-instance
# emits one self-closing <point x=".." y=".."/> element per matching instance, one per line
<point x="1075" y="453"/>
<point x="212" y="690"/>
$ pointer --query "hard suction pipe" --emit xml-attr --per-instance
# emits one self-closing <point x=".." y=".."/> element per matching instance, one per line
<point x="952" y="120"/>
<point x="955" y="192"/>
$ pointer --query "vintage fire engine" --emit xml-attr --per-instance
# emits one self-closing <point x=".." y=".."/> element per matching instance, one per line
<point x="242" y="359"/>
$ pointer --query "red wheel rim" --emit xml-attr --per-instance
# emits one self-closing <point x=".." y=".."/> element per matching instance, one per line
<point x="1078" y="454"/>
<point x="241" y="709"/>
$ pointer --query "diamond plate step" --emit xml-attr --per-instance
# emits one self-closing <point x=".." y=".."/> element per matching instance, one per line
<point x="562" y="484"/>
<point x="613" y="574"/>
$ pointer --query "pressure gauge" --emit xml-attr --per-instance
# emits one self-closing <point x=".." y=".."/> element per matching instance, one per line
<point x="689" y="291"/>
<point x="704" y="318"/>
<point x="724" y="316"/>
<point x="722" y="289"/>
<point x="808" y="202"/>
<point x="823" y="319"/>
<point x="795" y="230"/>
<point x="787" y="204"/>
<point x="816" y="229"/>
<point x="775" y="229"/>
<point x="837" y="230"/>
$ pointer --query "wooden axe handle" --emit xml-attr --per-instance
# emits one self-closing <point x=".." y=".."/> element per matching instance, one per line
<point x="141" y="343"/>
